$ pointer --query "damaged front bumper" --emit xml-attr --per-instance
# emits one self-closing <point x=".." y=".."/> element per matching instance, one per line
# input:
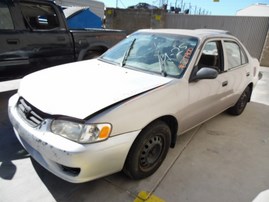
<point x="70" y="160"/>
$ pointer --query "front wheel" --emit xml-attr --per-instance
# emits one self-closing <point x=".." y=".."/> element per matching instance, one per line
<point x="148" y="151"/>
<point x="241" y="104"/>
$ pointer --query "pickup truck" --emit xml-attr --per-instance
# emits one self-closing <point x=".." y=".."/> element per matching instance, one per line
<point x="34" y="35"/>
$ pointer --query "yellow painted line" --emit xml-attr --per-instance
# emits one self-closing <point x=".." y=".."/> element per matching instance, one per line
<point x="146" y="197"/>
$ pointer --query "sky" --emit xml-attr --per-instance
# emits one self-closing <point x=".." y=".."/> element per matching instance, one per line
<point x="223" y="7"/>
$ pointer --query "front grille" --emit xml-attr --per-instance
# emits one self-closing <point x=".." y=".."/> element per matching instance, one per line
<point x="28" y="113"/>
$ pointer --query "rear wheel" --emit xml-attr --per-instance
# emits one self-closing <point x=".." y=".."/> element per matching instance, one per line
<point x="241" y="104"/>
<point x="148" y="151"/>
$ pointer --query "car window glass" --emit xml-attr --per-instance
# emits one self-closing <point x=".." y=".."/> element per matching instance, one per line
<point x="39" y="16"/>
<point x="211" y="48"/>
<point x="159" y="53"/>
<point x="244" y="57"/>
<point x="211" y="56"/>
<point x="5" y="17"/>
<point x="235" y="55"/>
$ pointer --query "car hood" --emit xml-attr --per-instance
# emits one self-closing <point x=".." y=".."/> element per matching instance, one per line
<point x="83" y="88"/>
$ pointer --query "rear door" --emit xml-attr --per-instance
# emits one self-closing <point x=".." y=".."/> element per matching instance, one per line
<point x="236" y="66"/>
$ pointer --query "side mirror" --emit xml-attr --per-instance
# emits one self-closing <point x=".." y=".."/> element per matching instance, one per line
<point x="204" y="73"/>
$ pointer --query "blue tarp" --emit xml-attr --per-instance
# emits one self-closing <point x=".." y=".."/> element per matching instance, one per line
<point x="84" y="19"/>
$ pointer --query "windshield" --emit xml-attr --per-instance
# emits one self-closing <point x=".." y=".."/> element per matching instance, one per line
<point x="165" y="54"/>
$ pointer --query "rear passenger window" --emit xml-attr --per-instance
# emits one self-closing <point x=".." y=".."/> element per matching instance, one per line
<point x="5" y="17"/>
<point x="236" y="56"/>
<point x="39" y="16"/>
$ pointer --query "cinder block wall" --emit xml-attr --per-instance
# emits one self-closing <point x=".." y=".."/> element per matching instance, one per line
<point x="131" y="20"/>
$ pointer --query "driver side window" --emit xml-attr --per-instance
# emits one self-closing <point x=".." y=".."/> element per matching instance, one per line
<point x="39" y="16"/>
<point x="212" y="56"/>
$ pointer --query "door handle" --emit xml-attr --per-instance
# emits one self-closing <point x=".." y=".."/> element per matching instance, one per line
<point x="224" y="83"/>
<point x="247" y="74"/>
<point x="13" y="41"/>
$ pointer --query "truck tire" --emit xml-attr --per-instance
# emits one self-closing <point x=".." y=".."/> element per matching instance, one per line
<point x="148" y="151"/>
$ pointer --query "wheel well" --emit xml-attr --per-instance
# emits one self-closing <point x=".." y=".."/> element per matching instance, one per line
<point x="100" y="49"/>
<point x="93" y="50"/>
<point x="173" y="125"/>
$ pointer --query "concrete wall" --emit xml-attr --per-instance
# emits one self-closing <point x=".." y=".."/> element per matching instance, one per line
<point x="131" y="20"/>
<point x="252" y="31"/>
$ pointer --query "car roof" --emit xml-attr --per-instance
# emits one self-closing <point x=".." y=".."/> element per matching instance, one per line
<point x="200" y="33"/>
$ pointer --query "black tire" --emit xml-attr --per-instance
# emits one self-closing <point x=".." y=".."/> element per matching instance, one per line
<point x="241" y="104"/>
<point x="148" y="151"/>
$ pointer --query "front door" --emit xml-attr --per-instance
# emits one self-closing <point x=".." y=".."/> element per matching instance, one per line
<point x="208" y="97"/>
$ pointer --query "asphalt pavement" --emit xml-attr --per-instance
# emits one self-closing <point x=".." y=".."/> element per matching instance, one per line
<point x="224" y="159"/>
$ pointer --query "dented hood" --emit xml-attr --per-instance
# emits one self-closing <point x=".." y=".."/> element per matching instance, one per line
<point x="83" y="88"/>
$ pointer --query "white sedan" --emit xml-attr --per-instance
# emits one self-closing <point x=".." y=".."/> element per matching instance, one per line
<point x="125" y="109"/>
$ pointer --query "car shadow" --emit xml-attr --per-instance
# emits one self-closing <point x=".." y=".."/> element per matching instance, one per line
<point x="10" y="148"/>
<point x="57" y="187"/>
<point x="96" y="190"/>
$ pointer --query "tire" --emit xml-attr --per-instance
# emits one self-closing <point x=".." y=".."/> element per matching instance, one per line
<point x="241" y="104"/>
<point x="148" y="151"/>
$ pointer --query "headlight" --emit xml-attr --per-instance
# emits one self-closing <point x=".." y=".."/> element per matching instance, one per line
<point x="79" y="132"/>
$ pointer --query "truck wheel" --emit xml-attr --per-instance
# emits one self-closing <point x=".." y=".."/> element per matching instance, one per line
<point x="92" y="55"/>
<point x="148" y="151"/>
<point x="241" y="104"/>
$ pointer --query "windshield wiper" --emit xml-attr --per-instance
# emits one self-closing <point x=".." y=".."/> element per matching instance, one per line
<point x="127" y="53"/>
<point x="162" y="65"/>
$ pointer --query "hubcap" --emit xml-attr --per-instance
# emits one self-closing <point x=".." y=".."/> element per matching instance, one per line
<point x="151" y="152"/>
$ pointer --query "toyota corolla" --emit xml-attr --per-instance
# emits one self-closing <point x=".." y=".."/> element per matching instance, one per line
<point x="125" y="109"/>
